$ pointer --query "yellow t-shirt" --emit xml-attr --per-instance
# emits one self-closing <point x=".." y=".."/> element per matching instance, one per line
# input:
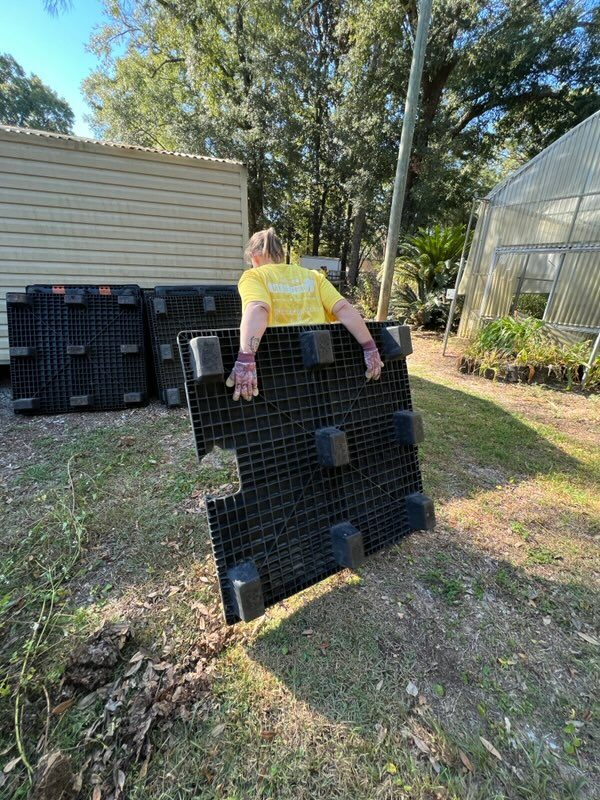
<point x="295" y="296"/>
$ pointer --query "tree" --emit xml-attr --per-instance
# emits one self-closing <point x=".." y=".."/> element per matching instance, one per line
<point x="491" y="65"/>
<point x="27" y="102"/>
<point x="205" y="76"/>
<point x="310" y="97"/>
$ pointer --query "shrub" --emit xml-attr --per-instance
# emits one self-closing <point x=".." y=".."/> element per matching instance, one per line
<point x="527" y="342"/>
<point x="365" y="294"/>
<point x="427" y="267"/>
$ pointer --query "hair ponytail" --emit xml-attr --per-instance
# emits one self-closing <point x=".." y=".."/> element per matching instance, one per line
<point x="265" y="243"/>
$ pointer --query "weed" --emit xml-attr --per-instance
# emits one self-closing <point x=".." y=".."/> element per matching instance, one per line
<point x="451" y="589"/>
<point x="541" y="555"/>
<point x="521" y="531"/>
<point x="573" y="740"/>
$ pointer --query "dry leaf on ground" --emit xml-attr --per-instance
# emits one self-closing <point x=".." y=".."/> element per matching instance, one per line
<point x="589" y="638"/>
<point x="490" y="748"/>
<point x="466" y="761"/>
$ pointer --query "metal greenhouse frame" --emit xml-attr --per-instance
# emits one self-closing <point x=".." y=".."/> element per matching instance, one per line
<point x="538" y="232"/>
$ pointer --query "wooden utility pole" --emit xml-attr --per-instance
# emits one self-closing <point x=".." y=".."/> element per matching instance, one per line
<point x="408" y="129"/>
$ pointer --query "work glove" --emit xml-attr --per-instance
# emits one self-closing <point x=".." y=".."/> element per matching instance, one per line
<point x="373" y="361"/>
<point x="243" y="377"/>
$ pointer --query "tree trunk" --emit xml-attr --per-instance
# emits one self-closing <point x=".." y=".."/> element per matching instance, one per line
<point x="357" y="231"/>
<point x="432" y="91"/>
<point x="288" y="246"/>
<point x="345" y="243"/>
<point x="317" y="221"/>
<point x="255" y="204"/>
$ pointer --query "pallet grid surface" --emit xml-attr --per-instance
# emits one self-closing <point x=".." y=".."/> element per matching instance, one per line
<point x="327" y="460"/>
<point x="171" y="309"/>
<point x="76" y="348"/>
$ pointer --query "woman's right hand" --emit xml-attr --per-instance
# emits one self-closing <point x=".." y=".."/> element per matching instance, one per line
<point x="243" y="377"/>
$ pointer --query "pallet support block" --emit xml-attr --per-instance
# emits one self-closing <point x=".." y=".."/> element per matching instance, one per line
<point x="205" y="359"/>
<point x="76" y="350"/>
<point x="75" y="299"/>
<point x="317" y="349"/>
<point x="409" y="427"/>
<point x="166" y="352"/>
<point x="24" y="404"/>
<point x="246" y="589"/>
<point x="134" y="398"/>
<point x="332" y="447"/>
<point x="347" y="545"/>
<point x="22" y="352"/>
<point x="171" y="396"/>
<point x="18" y="299"/>
<point x="420" y="512"/>
<point x="127" y="300"/>
<point x="396" y="342"/>
<point x="81" y="401"/>
<point x="160" y="306"/>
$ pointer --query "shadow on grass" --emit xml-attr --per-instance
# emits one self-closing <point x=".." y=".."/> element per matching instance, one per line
<point x="473" y="444"/>
<point x="464" y="630"/>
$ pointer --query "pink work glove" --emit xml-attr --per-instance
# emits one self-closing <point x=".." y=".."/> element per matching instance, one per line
<point x="373" y="361"/>
<point x="243" y="377"/>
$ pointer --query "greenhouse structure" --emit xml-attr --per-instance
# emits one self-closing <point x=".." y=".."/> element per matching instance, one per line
<point x="538" y="233"/>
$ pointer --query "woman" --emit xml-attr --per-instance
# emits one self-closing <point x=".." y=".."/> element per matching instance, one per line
<point x="274" y="293"/>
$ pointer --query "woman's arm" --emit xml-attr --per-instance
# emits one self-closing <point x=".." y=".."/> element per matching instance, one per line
<point x="252" y="327"/>
<point x="353" y="322"/>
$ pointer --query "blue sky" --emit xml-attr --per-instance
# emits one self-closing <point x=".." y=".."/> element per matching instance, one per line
<point x="53" y="47"/>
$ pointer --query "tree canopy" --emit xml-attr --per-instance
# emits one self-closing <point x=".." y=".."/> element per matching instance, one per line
<point x="28" y="102"/>
<point x="310" y="96"/>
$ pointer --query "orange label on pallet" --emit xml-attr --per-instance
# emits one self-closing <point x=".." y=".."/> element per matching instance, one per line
<point x="58" y="290"/>
<point x="105" y="290"/>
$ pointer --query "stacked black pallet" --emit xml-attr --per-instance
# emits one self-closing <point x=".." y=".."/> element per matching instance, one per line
<point x="171" y="309"/>
<point x="327" y="461"/>
<point x="76" y="348"/>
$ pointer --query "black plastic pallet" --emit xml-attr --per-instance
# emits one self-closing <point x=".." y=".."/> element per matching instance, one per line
<point x="76" y="348"/>
<point x="327" y="461"/>
<point x="171" y="309"/>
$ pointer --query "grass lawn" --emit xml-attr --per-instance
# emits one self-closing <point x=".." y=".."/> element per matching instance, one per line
<point x="462" y="663"/>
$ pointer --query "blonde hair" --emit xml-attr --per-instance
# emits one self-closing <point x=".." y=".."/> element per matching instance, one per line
<point x="265" y="243"/>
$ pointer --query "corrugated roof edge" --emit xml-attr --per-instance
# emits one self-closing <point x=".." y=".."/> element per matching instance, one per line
<point x="67" y="137"/>
<point x="546" y="151"/>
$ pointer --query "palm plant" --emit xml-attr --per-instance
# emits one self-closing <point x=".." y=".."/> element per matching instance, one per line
<point x="427" y="267"/>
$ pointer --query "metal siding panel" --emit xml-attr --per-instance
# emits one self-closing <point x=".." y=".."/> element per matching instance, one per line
<point x="36" y="200"/>
<point x="577" y="297"/>
<point x="72" y="221"/>
<point x="42" y="155"/>
<point x="18" y="246"/>
<point x="76" y="173"/>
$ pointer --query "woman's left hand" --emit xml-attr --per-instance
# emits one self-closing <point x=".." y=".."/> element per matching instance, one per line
<point x="373" y="361"/>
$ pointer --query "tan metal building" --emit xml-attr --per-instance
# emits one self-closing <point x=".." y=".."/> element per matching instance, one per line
<point x="76" y="210"/>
